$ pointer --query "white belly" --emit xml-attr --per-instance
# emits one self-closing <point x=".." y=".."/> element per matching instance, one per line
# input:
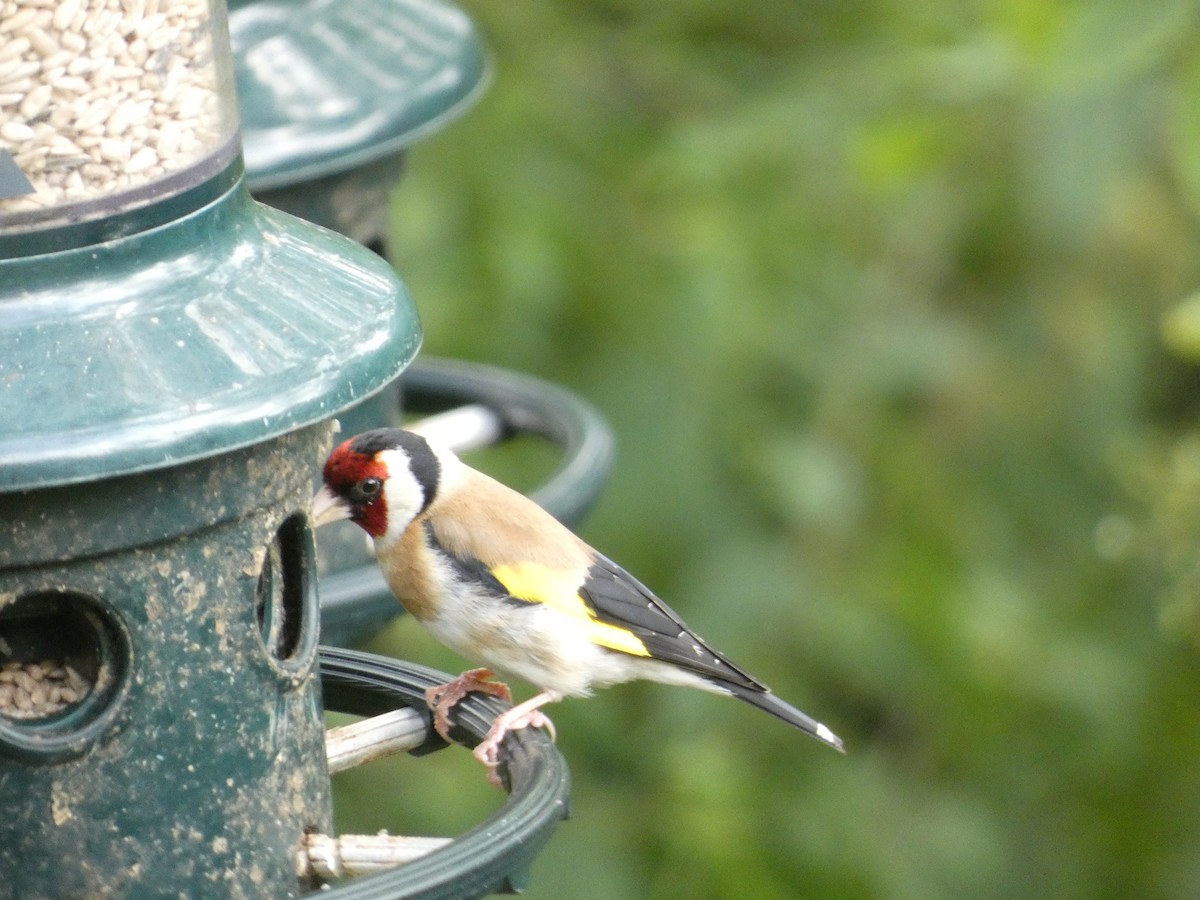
<point x="535" y="643"/>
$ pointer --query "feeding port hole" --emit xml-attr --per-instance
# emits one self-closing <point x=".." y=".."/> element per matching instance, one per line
<point x="64" y="660"/>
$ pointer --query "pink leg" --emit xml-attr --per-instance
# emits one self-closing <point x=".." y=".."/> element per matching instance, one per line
<point x="523" y="715"/>
<point x="441" y="699"/>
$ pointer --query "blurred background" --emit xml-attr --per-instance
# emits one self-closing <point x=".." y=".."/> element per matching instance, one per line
<point x="886" y="303"/>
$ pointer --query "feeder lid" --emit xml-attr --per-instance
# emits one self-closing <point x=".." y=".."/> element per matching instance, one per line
<point x="326" y="86"/>
<point x="228" y="326"/>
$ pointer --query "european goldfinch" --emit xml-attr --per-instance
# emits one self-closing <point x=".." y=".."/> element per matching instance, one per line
<point x="497" y="579"/>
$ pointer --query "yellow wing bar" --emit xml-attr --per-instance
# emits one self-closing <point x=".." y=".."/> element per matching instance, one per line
<point x="560" y="591"/>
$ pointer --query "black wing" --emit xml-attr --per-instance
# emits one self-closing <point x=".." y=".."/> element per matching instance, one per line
<point x="616" y="597"/>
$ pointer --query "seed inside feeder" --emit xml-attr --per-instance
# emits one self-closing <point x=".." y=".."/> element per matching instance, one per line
<point x="36" y="690"/>
<point x="103" y="97"/>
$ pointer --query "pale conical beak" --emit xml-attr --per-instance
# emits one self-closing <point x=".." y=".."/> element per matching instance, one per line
<point x="328" y="507"/>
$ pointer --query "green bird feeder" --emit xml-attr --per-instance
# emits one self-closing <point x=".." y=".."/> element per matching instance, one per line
<point x="171" y="353"/>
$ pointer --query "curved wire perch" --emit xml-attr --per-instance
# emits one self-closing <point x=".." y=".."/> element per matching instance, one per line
<point x="496" y="854"/>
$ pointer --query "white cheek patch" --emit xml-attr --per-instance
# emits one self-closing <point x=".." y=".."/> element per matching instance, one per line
<point x="401" y="491"/>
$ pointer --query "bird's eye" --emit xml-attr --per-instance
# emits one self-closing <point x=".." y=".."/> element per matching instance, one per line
<point x="366" y="490"/>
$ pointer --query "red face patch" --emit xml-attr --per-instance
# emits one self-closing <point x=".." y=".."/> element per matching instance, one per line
<point x="347" y="468"/>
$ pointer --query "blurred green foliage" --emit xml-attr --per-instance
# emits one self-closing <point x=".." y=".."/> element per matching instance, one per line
<point x="872" y="293"/>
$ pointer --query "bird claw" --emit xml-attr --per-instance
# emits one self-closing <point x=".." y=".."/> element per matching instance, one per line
<point x="443" y="697"/>
<point x="487" y="751"/>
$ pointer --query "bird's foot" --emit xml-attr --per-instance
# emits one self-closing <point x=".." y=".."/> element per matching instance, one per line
<point x="525" y="715"/>
<point x="442" y="698"/>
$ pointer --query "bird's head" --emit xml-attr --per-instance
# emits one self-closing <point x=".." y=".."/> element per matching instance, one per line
<point x="381" y="480"/>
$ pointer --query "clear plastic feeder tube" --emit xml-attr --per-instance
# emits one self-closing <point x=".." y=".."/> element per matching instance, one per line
<point x="109" y="105"/>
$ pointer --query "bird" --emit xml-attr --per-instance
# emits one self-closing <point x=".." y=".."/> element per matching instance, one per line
<point x="499" y="580"/>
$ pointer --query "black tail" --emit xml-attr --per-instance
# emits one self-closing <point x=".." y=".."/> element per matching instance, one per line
<point x="768" y="702"/>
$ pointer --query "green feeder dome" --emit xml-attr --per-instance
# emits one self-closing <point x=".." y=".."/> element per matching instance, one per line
<point x="154" y="313"/>
<point x="332" y="94"/>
